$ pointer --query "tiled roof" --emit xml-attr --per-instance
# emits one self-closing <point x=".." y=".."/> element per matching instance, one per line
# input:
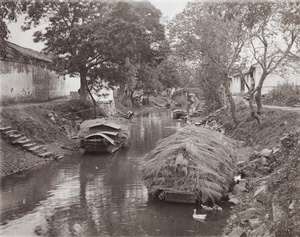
<point x="29" y="52"/>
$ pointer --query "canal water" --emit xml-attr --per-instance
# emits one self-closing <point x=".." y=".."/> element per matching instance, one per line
<point x="100" y="195"/>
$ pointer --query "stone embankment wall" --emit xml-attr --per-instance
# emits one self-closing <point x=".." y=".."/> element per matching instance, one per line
<point x="25" y="81"/>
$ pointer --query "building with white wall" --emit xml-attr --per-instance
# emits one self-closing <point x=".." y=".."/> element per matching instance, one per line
<point x="25" y="76"/>
<point x="289" y="73"/>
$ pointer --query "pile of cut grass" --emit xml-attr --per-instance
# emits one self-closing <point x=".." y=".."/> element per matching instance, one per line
<point x="194" y="159"/>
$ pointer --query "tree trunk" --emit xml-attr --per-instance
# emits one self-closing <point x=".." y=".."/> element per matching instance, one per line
<point x="83" y="87"/>
<point x="257" y="113"/>
<point x="258" y="101"/>
<point x="146" y="101"/>
<point x="130" y="96"/>
<point x="254" y="114"/>
<point x="94" y="103"/>
<point x="121" y="91"/>
<point x="231" y="101"/>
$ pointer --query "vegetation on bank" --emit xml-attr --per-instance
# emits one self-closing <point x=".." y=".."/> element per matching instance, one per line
<point x="276" y="123"/>
<point x="277" y="208"/>
<point x="50" y="124"/>
<point x="46" y="121"/>
<point x="285" y="94"/>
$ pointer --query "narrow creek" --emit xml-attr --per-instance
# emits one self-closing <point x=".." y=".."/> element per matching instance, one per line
<point x="100" y="195"/>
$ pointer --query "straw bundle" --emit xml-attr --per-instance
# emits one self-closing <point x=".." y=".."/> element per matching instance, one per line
<point x="194" y="159"/>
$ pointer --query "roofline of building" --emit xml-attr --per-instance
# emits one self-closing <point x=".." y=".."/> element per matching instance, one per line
<point x="29" y="52"/>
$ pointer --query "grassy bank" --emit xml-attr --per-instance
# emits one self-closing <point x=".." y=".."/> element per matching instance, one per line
<point x="268" y="204"/>
<point x="276" y="122"/>
<point x="51" y="124"/>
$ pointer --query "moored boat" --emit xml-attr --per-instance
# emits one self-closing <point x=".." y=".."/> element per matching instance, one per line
<point x="103" y="135"/>
<point x="179" y="113"/>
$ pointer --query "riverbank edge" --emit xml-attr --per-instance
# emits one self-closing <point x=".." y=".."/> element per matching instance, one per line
<point x="47" y="125"/>
<point x="266" y="201"/>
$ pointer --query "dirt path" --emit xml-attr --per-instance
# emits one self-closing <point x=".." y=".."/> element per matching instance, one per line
<point x="24" y="105"/>
<point x="285" y="108"/>
<point x="292" y="109"/>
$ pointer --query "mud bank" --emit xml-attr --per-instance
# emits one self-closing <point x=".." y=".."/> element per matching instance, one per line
<point x="266" y="199"/>
<point x="51" y="125"/>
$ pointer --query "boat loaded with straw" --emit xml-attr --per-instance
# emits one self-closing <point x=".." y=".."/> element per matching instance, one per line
<point x="195" y="164"/>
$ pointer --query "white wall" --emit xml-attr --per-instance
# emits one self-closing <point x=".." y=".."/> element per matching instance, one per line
<point x="235" y="84"/>
<point x="288" y="74"/>
<point x="27" y="82"/>
<point x="73" y="84"/>
<point x="16" y="80"/>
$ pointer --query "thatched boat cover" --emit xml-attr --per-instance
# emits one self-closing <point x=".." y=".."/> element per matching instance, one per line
<point x="194" y="159"/>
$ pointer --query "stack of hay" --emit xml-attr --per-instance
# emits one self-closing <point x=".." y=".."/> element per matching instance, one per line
<point x="194" y="159"/>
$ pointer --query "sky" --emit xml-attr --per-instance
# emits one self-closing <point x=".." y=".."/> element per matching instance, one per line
<point x="169" y="9"/>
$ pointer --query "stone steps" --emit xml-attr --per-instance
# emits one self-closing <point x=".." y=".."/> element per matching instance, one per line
<point x="28" y="145"/>
<point x="24" y="141"/>
<point x="5" y="129"/>
<point x="14" y="136"/>
<point x="10" y="132"/>
<point x="18" y="139"/>
<point x="43" y="150"/>
<point x="45" y="154"/>
<point x="40" y="150"/>
<point x="35" y="148"/>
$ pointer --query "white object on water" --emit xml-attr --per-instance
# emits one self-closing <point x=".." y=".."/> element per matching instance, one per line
<point x="199" y="217"/>
<point x="237" y="178"/>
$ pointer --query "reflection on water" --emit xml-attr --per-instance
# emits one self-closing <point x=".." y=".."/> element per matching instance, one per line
<point x="98" y="195"/>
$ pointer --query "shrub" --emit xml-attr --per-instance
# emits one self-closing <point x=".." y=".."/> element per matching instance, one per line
<point x="292" y="100"/>
<point x="284" y="94"/>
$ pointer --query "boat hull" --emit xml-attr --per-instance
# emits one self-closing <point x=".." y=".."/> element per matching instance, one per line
<point x="100" y="147"/>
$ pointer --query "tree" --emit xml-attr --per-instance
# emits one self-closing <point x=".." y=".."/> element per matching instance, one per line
<point x="135" y="41"/>
<point x="149" y="82"/>
<point x="274" y="29"/>
<point x="211" y="33"/>
<point x="70" y="35"/>
<point x="97" y="39"/>
<point x="209" y="79"/>
<point x="9" y="11"/>
<point x="169" y="73"/>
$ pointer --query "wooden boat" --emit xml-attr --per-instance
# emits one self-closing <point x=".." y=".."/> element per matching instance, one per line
<point x="179" y="113"/>
<point x="102" y="135"/>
